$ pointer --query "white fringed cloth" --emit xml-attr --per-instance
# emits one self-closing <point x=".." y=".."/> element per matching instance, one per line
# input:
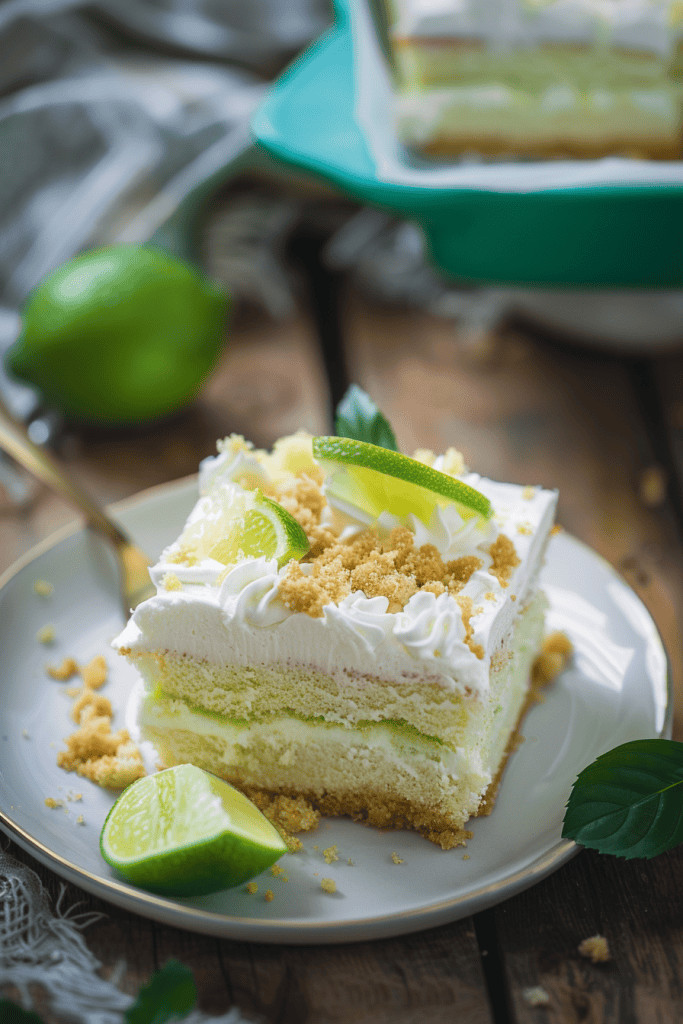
<point x="41" y="945"/>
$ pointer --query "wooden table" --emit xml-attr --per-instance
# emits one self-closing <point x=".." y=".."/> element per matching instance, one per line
<point x="608" y="432"/>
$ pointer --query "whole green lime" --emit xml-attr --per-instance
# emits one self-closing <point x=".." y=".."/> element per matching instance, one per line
<point x="120" y="335"/>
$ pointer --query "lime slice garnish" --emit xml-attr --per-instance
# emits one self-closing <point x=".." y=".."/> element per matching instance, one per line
<point x="184" y="832"/>
<point x="378" y="480"/>
<point x="239" y="524"/>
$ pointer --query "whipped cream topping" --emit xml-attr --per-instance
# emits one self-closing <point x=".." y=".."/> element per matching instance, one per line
<point x="237" y="616"/>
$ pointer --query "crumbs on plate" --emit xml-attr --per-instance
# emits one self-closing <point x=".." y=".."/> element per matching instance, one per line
<point x="110" y="759"/>
<point x="289" y="815"/>
<point x="328" y="885"/>
<point x="46" y="634"/>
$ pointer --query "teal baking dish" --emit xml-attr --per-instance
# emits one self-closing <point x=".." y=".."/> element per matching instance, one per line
<point x="611" y="223"/>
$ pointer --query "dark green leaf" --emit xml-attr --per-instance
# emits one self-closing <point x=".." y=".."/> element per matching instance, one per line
<point x="629" y="802"/>
<point x="10" y="1013"/>
<point x="170" y="994"/>
<point x="359" y="418"/>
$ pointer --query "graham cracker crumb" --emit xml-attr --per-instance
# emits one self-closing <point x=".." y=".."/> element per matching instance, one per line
<point x="66" y="670"/>
<point x="328" y="884"/>
<point x="536" y="996"/>
<point x="558" y="643"/>
<point x="80" y="820"/>
<point x="490" y="596"/>
<point x="556" y="529"/>
<point x="276" y="870"/>
<point x="449" y="838"/>
<point x="526" y="529"/>
<point x="289" y="814"/>
<point x="555" y="655"/>
<point x="350" y="863"/>
<point x="252" y="887"/>
<point x="72" y="691"/>
<point x="109" y="759"/>
<point x="94" y="674"/>
<point x="171" y="582"/>
<point x="269" y="895"/>
<point x="596" y="949"/>
<point x="101" y="706"/>
<point x="43" y="588"/>
<point x="505" y="559"/>
<point x="51" y="802"/>
<point x="331" y="854"/>
<point x="391" y="568"/>
<point x="396" y="859"/>
<point x="46" y="634"/>
<point x="465" y="856"/>
<point x="529" y="492"/>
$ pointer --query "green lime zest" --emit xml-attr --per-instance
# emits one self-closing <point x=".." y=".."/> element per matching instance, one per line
<point x="378" y="480"/>
<point x="185" y="832"/>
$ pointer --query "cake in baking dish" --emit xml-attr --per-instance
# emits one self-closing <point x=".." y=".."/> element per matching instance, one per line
<point x="539" y="78"/>
<point x="379" y="662"/>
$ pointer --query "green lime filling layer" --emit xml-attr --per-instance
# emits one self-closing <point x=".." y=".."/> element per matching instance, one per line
<point x="395" y="725"/>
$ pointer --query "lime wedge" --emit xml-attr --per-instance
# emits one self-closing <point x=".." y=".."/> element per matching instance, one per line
<point x="378" y="480"/>
<point x="239" y="524"/>
<point x="184" y="832"/>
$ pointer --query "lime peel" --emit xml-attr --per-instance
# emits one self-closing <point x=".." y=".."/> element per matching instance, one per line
<point x="185" y="832"/>
<point x="377" y="480"/>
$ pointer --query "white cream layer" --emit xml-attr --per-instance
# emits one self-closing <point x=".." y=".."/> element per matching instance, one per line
<point x="242" y="621"/>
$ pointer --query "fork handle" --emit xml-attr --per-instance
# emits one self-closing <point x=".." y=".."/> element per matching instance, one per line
<point x="14" y="440"/>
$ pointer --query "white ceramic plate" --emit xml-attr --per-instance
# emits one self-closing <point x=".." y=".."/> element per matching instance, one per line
<point x="616" y="690"/>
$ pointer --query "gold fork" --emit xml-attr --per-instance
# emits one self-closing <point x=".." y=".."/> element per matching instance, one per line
<point x="135" y="584"/>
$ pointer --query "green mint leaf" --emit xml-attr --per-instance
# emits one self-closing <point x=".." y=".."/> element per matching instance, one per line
<point x="358" y="417"/>
<point x="10" y="1013"/>
<point x="629" y="802"/>
<point x="169" y="995"/>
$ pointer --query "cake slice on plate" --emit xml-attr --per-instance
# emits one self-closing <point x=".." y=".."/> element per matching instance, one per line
<point x="343" y="623"/>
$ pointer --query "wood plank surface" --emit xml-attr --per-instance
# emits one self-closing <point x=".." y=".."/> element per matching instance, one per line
<point x="636" y="905"/>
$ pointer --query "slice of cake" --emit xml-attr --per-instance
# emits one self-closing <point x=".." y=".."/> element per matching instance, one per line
<point x="383" y="673"/>
<point x="539" y="78"/>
